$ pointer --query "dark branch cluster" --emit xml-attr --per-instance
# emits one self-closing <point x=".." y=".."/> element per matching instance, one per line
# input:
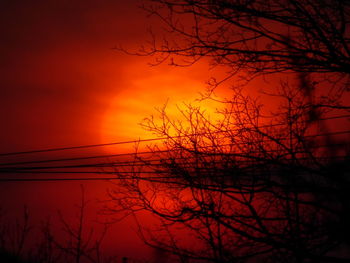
<point x="259" y="37"/>
<point x="246" y="189"/>
<point x="248" y="186"/>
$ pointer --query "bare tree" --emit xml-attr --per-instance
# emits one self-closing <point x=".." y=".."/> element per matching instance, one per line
<point x="245" y="189"/>
<point x="255" y="37"/>
<point x="14" y="237"/>
<point x="22" y="242"/>
<point x="81" y="244"/>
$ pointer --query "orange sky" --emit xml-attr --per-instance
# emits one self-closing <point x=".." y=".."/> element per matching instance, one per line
<point x="59" y="72"/>
<point x="63" y="84"/>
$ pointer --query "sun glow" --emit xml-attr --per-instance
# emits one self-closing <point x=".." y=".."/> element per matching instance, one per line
<point x="145" y="97"/>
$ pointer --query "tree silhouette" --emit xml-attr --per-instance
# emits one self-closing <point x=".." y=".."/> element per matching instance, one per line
<point x="21" y="242"/>
<point x="244" y="188"/>
<point x="259" y="37"/>
<point x="247" y="186"/>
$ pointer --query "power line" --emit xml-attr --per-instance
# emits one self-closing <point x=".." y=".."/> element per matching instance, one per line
<point x="79" y="179"/>
<point x="153" y="152"/>
<point x="119" y="176"/>
<point x="54" y="179"/>
<point x="133" y="174"/>
<point x="81" y="172"/>
<point x="80" y="147"/>
<point x="148" y="140"/>
<point x="83" y="158"/>
<point x="162" y="161"/>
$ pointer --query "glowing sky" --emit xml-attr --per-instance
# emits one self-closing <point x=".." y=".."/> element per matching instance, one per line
<point x="63" y="84"/>
<point x="59" y="73"/>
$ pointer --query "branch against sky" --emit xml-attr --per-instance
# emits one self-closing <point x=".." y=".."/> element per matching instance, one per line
<point x="253" y="37"/>
<point x="248" y="187"/>
<point x="242" y="188"/>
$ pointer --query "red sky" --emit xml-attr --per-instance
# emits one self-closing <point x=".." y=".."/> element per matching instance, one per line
<point x="59" y="71"/>
<point x="63" y="84"/>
